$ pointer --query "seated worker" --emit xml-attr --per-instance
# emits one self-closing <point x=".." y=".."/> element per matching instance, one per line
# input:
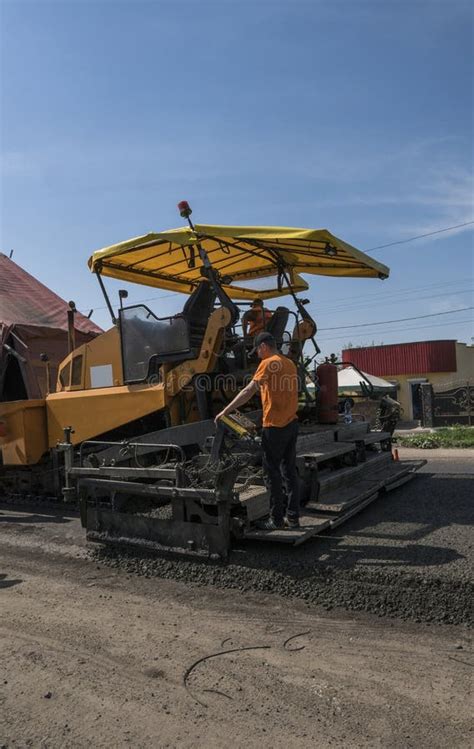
<point x="276" y="379"/>
<point x="256" y="319"/>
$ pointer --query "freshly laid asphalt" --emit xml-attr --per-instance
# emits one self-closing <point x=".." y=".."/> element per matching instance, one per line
<point x="95" y="654"/>
<point x="408" y="555"/>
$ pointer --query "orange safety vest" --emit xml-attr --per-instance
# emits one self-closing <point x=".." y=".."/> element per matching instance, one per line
<point x="259" y="321"/>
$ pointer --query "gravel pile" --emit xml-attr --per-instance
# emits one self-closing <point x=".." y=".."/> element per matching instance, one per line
<point x="408" y="555"/>
<point x="395" y="595"/>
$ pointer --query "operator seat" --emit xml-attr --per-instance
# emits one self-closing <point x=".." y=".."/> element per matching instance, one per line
<point x="277" y="325"/>
<point x="197" y="311"/>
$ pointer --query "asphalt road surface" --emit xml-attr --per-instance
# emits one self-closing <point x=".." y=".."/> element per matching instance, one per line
<point x="117" y="650"/>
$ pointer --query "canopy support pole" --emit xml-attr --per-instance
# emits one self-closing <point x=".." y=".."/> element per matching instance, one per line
<point x="107" y="300"/>
<point x="212" y="276"/>
<point x="299" y="306"/>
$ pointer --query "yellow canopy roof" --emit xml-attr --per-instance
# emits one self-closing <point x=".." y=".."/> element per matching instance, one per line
<point x="170" y="259"/>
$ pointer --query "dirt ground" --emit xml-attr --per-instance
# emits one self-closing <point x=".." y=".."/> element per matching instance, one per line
<point x="92" y="655"/>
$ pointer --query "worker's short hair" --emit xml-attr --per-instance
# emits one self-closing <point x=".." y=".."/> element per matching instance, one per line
<point x="263" y="337"/>
<point x="257" y="301"/>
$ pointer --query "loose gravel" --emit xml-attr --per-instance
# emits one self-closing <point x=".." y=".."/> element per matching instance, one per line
<point x="408" y="555"/>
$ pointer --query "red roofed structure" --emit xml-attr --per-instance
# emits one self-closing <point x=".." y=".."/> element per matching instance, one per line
<point x="33" y="321"/>
<point x="445" y="364"/>
<point x="404" y="358"/>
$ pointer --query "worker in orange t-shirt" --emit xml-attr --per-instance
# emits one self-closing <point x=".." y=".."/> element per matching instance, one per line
<point x="255" y="319"/>
<point x="277" y="381"/>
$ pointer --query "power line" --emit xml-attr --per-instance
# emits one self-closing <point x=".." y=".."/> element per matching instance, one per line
<point x="400" y="319"/>
<point x="361" y="305"/>
<point x="366" y="298"/>
<point x="403" y="290"/>
<point x="419" y="236"/>
<point x="394" y="330"/>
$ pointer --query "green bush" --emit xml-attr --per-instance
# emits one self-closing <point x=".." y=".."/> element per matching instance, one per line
<point x="455" y="436"/>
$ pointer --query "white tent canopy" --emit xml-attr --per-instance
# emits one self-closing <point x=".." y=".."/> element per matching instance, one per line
<point x="349" y="379"/>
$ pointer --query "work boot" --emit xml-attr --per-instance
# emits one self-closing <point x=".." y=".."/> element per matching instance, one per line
<point x="292" y="523"/>
<point x="268" y="525"/>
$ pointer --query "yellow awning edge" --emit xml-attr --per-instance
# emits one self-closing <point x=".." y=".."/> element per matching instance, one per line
<point x="170" y="259"/>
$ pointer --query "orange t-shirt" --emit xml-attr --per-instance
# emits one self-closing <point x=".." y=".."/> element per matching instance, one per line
<point x="278" y="382"/>
<point x="257" y="319"/>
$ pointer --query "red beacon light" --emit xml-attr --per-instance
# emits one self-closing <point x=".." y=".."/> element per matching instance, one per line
<point x="184" y="209"/>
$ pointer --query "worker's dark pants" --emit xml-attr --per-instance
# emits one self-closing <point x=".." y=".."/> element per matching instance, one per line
<point x="279" y="464"/>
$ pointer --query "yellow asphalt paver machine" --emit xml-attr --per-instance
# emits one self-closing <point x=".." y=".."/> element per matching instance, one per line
<point x="129" y="430"/>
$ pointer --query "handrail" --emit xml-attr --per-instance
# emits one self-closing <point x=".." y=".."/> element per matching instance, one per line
<point x="127" y="444"/>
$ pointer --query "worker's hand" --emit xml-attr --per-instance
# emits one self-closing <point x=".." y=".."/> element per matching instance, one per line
<point x="219" y="415"/>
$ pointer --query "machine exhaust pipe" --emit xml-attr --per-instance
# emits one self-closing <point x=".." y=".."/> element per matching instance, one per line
<point x="71" y="332"/>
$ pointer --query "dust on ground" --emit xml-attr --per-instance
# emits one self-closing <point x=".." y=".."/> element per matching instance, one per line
<point x="95" y="655"/>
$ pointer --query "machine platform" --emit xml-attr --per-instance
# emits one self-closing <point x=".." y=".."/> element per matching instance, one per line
<point x="201" y="507"/>
<point x="339" y="504"/>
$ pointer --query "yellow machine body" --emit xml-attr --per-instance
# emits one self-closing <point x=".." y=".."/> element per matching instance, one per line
<point x="80" y="368"/>
<point x="30" y="428"/>
<point x="25" y="430"/>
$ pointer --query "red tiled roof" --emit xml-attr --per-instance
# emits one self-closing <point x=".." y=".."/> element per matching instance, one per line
<point x="26" y="301"/>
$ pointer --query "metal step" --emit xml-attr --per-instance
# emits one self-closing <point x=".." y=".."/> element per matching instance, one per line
<point x="406" y="473"/>
<point x="341" y="499"/>
<point x="350" y="512"/>
<point x="342" y="476"/>
<point x="354" y="431"/>
<point x="311" y="440"/>
<point x="368" y="439"/>
<point x="387" y="478"/>
<point x="395" y="470"/>
<point x="326" y="451"/>
<point x="346" y="476"/>
<point x="356" y="484"/>
<point x="310" y="525"/>
<point x="400" y="472"/>
<point x="341" y="504"/>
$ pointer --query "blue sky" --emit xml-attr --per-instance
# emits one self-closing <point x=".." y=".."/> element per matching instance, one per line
<point x="353" y="116"/>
